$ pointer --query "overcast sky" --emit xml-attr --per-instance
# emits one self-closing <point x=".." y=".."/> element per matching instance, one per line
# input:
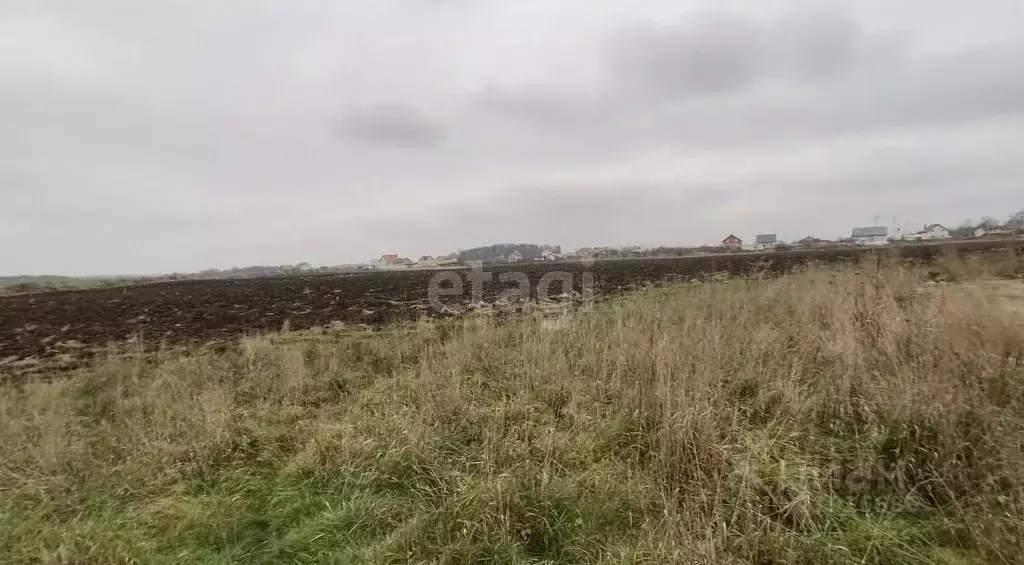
<point x="156" y="136"/>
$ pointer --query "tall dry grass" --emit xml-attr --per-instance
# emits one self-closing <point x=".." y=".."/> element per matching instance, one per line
<point x="853" y="416"/>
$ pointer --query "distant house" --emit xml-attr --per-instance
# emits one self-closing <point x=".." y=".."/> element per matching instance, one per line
<point x="549" y="255"/>
<point x="732" y="242"/>
<point x="386" y="261"/>
<point x="391" y="261"/>
<point x="446" y="260"/>
<point x="929" y="233"/>
<point x="871" y="235"/>
<point x="515" y="256"/>
<point x="766" y="241"/>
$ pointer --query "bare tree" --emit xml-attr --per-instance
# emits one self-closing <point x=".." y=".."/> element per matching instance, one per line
<point x="964" y="230"/>
<point x="1016" y="220"/>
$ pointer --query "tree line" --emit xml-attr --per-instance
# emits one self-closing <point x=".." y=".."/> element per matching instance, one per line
<point x="499" y="252"/>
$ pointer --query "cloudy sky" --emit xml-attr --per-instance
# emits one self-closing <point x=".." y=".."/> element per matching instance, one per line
<point x="157" y="136"/>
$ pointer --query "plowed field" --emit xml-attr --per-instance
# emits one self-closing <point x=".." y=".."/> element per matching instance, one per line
<point x="72" y="325"/>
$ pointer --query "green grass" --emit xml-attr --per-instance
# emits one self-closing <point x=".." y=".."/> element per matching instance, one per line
<point x="823" y="417"/>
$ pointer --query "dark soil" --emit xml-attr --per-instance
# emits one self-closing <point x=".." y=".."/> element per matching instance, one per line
<point x="72" y="324"/>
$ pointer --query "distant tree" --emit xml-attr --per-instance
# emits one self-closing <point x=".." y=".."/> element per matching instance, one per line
<point x="988" y="222"/>
<point x="1016" y="220"/>
<point x="500" y="251"/>
<point x="964" y="230"/>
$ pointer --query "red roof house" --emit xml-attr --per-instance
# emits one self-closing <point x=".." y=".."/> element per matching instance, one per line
<point x="732" y="241"/>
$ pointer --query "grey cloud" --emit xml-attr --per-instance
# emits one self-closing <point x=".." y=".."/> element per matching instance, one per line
<point x="391" y="125"/>
<point x="713" y="77"/>
<point x="705" y="53"/>
<point x="218" y="136"/>
<point x="820" y="44"/>
<point x="714" y="52"/>
<point x="536" y="104"/>
<point x="862" y="93"/>
<point x="966" y="85"/>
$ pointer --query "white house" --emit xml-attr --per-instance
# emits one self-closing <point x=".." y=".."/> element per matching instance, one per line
<point x="391" y="261"/>
<point x="549" y="255"/>
<point x="766" y="241"/>
<point x="929" y="233"/>
<point x="871" y="235"/>
<point x="426" y="262"/>
<point x="515" y="256"/>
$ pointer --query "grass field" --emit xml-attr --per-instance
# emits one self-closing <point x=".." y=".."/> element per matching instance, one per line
<point x="832" y="416"/>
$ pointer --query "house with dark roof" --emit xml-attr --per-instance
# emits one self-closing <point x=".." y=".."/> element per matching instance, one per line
<point x="766" y="241"/>
<point x="871" y="235"/>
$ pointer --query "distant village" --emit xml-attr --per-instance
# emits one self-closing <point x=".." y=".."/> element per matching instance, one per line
<point x="876" y="235"/>
<point x="865" y="236"/>
<point x="506" y="253"/>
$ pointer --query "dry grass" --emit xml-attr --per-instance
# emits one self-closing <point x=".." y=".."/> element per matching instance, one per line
<point x="842" y="417"/>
